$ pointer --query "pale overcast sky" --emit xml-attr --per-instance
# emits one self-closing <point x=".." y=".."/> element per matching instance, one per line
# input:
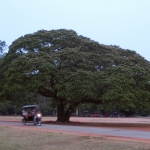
<point x="118" y="22"/>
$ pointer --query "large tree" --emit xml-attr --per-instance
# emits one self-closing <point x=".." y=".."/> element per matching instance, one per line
<point x="73" y="69"/>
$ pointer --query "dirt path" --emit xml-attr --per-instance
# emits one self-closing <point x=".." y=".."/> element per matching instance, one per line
<point x="114" y="128"/>
<point x="141" y="124"/>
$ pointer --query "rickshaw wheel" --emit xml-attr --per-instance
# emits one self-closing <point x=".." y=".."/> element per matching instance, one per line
<point x="39" y="123"/>
<point x="23" y="121"/>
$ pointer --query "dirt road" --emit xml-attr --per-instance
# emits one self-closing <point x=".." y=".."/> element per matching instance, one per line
<point x="139" y="128"/>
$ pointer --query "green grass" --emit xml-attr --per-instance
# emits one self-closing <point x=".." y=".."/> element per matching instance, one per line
<point x="23" y="139"/>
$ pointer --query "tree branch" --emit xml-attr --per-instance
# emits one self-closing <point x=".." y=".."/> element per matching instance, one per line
<point x="91" y="100"/>
<point x="46" y="92"/>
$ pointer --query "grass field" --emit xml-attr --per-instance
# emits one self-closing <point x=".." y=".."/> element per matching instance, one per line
<point x="23" y="139"/>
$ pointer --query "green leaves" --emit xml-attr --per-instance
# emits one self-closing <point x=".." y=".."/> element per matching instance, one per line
<point x="76" y="85"/>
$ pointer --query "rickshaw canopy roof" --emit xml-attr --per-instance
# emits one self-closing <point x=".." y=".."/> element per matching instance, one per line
<point x="30" y="106"/>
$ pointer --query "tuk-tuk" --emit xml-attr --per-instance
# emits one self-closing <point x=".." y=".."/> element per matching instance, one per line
<point x="31" y="113"/>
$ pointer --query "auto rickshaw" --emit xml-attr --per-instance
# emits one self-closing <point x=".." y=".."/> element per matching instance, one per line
<point x="32" y="114"/>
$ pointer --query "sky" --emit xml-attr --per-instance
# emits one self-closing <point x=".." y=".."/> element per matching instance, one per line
<point x="125" y="23"/>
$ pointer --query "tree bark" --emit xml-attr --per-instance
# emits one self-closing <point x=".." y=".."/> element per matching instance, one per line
<point x="62" y="115"/>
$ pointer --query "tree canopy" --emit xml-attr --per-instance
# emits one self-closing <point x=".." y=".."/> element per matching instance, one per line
<point x="72" y="70"/>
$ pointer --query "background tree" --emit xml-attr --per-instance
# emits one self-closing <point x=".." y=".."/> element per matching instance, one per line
<point x="74" y="70"/>
<point x="2" y="46"/>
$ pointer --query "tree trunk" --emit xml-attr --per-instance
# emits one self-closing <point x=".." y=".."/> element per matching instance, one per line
<point x="62" y="115"/>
